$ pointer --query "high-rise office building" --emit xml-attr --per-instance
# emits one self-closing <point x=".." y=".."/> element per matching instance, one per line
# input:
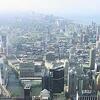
<point x="92" y="58"/>
<point x="66" y="72"/>
<point x="72" y="83"/>
<point x="27" y="92"/>
<point x="87" y="98"/>
<point x="46" y="82"/>
<point x="4" y="43"/>
<point x="57" y="80"/>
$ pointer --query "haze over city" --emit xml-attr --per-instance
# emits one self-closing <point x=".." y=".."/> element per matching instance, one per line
<point x="49" y="50"/>
<point x="79" y="10"/>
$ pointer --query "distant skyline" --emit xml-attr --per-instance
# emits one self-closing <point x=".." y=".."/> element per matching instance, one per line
<point x="69" y="8"/>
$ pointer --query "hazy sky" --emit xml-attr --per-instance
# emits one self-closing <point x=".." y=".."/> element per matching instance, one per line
<point x="79" y="10"/>
<point x="68" y="7"/>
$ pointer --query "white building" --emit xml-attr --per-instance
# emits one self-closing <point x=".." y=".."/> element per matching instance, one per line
<point x="44" y="95"/>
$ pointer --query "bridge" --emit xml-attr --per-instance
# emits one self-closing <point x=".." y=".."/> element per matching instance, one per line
<point x="30" y="78"/>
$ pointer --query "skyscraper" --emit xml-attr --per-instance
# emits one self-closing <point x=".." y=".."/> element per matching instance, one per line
<point x="92" y="58"/>
<point x="72" y="83"/>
